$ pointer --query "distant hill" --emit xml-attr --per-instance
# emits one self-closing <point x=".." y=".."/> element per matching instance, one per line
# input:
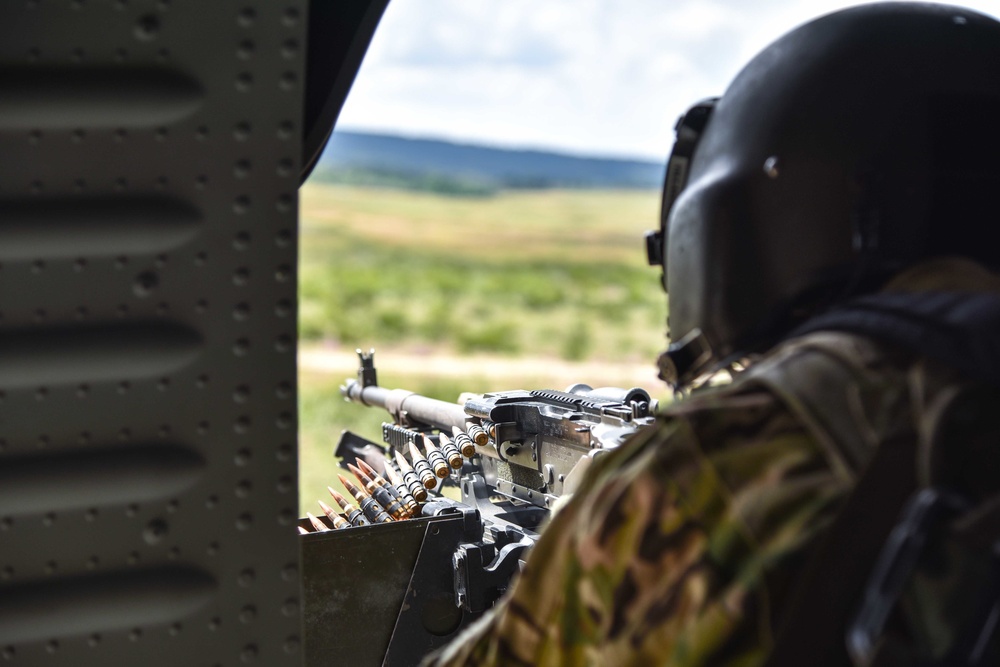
<point x="356" y="157"/>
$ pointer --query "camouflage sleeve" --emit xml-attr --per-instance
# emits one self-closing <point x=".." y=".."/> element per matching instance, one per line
<point x="676" y="549"/>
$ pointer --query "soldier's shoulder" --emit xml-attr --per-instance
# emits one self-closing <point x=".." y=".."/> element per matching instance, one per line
<point x="827" y="387"/>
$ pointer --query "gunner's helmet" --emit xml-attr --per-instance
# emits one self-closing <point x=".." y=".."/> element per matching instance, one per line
<point x="856" y="145"/>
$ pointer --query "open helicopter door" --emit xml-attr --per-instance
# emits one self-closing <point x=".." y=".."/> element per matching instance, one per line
<point x="150" y="156"/>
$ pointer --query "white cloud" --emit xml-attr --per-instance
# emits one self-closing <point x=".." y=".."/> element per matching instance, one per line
<point x="605" y="76"/>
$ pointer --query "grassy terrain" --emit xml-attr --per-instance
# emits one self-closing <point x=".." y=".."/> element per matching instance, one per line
<point x="552" y="273"/>
<point x="556" y="274"/>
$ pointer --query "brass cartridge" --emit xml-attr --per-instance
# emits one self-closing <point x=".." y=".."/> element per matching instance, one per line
<point x="465" y="443"/>
<point x="355" y="516"/>
<point x="396" y="493"/>
<point x="338" y="521"/>
<point x="381" y="494"/>
<point x="409" y="502"/>
<point x="450" y="452"/>
<point x="436" y="459"/>
<point x="422" y="468"/>
<point x="410" y="478"/>
<point x="373" y="511"/>
<point x="478" y="434"/>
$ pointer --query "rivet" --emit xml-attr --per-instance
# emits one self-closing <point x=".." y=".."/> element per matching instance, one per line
<point x="242" y="131"/>
<point x="248" y="614"/>
<point x="241" y="347"/>
<point x="245" y="50"/>
<point x="147" y="28"/>
<point x="246" y="17"/>
<point x="290" y="607"/>
<point x="249" y="653"/>
<point x="246" y="577"/>
<point x="145" y="283"/>
<point x="771" y="166"/>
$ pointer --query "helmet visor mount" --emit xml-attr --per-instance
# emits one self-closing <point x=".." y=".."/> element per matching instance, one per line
<point x="687" y="133"/>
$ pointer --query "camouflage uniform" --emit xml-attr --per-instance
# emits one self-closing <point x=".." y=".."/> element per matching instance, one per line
<point x="681" y="546"/>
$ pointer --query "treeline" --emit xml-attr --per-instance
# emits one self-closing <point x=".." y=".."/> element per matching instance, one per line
<point x="442" y="184"/>
<point x="469" y="170"/>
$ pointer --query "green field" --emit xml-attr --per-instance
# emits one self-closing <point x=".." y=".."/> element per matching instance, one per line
<point x="542" y="274"/>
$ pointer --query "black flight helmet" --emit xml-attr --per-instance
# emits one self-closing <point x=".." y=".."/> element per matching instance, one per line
<point x="856" y="145"/>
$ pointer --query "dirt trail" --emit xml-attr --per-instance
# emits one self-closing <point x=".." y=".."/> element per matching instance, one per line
<point x="498" y="371"/>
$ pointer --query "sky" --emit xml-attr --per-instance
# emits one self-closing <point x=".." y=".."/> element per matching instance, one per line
<point x="591" y="77"/>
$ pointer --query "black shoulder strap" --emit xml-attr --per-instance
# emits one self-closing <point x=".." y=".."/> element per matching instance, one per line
<point x="959" y="329"/>
<point x="814" y="623"/>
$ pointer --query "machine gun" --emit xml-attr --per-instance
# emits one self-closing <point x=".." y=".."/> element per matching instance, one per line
<point x="531" y="447"/>
<point x="512" y="455"/>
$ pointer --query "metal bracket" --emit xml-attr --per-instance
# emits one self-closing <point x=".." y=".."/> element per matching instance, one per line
<point x="923" y="523"/>
<point x="478" y="585"/>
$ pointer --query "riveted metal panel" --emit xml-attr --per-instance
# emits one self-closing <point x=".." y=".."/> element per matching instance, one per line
<point x="149" y="163"/>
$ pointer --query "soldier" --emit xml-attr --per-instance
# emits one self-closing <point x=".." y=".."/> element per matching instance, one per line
<point x="829" y="235"/>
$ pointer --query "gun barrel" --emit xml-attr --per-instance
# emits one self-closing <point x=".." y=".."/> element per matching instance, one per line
<point x="429" y="411"/>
